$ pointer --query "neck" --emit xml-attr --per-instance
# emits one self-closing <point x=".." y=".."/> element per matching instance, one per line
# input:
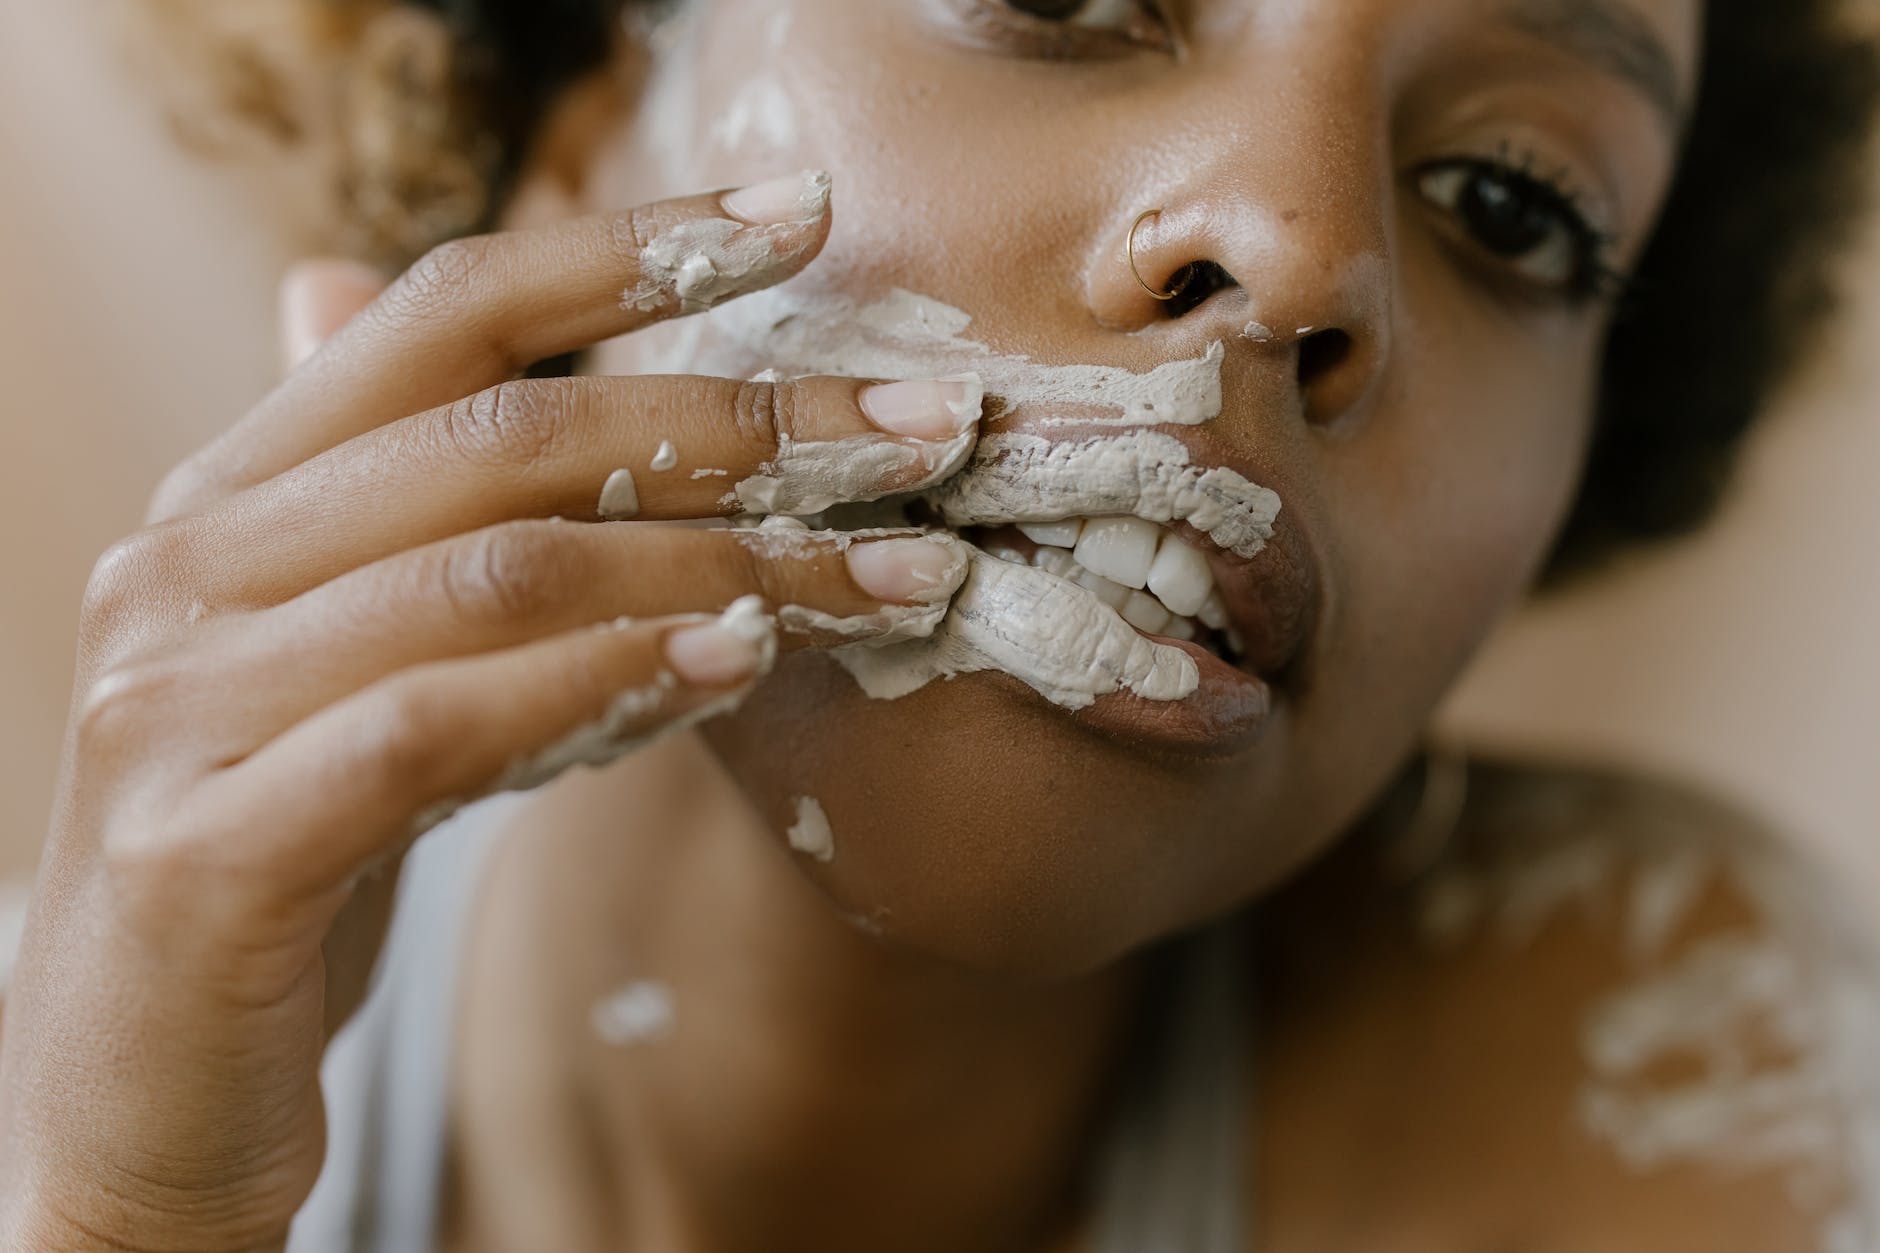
<point x="815" y="1086"/>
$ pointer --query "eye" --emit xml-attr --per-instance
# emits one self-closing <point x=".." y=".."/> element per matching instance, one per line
<point x="1066" y="29"/>
<point x="1531" y="223"/>
<point x="1093" y="13"/>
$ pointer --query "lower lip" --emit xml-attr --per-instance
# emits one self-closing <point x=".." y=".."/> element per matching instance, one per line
<point x="1226" y="715"/>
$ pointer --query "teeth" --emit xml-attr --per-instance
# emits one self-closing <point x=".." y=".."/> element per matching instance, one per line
<point x="1180" y="576"/>
<point x="1145" y="613"/>
<point x="1057" y="534"/>
<point x="1156" y="582"/>
<point x="1112" y="594"/>
<point x="1057" y="561"/>
<point x="1120" y="549"/>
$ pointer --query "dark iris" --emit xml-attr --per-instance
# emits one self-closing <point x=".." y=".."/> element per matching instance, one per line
<point x="1505" y="216"/>
<point x="1050" y="10"/>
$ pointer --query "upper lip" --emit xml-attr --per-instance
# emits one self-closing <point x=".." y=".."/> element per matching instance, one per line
<point x="1274" y="598"/>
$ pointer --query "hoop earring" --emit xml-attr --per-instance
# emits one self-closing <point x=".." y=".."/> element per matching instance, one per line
<point x="1130" y="248"/>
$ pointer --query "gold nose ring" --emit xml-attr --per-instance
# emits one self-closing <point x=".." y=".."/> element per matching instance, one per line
<point x="1134" y="227"/>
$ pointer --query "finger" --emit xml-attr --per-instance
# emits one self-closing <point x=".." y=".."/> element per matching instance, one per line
<point x="583" y="448"/>
<point x="364" y="776"/>
<point x="318" y="297"/>
<point x="508" y="585"/>
<point x="476" y="312"/>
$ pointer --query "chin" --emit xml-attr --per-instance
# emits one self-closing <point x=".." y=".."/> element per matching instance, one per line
<point x="977" y="823"/>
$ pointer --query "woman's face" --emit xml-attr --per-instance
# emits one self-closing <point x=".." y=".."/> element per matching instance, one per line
<point x="1411" y="205"/>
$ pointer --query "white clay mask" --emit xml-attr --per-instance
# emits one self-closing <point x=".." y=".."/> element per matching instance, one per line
<point x="1057" y="637"/>
<point x="782" y="538"/>
<point x="809" y="477"/>
<point x="702" y="262"/>
<point x="1024" y="478"/>
<point x="908" y="336"/>
<point x="1050" y="633"/>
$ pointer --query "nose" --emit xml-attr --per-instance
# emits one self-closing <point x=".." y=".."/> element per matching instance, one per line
<point x="1302" y="281"/>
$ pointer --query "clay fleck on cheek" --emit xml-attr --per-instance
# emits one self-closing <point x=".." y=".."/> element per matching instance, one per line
<point x="811" y="834"/>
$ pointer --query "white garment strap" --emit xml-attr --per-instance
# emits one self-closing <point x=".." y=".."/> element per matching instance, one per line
<point x="1172" y="1175"/>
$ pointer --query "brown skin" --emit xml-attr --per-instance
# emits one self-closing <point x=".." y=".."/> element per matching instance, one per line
<point x="926" y="1026"/>
<point x="1429" y="468"/>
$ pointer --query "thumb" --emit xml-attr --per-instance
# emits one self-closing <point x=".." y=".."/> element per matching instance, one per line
<point x="318" y="296"/>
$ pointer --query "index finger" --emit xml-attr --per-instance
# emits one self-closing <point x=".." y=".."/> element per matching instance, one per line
<point x="475" y="312"/>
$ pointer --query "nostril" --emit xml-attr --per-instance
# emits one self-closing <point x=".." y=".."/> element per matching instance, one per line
<point x="1320" y="353"/>
<point x="1193" y="284"/>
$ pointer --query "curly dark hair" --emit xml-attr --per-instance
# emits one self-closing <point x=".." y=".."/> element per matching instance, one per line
<point x="1726" y="301"/>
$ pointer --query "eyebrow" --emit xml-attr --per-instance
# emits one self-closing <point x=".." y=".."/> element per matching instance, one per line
<point x="1611" y="36"/>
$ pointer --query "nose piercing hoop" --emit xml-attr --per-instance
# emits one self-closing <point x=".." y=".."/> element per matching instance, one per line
<point x="1131" y="248"/>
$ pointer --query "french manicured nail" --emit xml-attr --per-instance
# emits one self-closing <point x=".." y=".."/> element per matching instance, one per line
<point x="798" y="198"/>
<point x="926" y="409"/>
<point x="905" y="569"/>
<point x="713" y="655"/>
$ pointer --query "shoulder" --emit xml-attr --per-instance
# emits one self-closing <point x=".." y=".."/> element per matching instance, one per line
<point x="1608" y="1013"/>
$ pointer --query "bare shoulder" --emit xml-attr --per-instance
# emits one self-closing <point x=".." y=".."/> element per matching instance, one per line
<point x="1608" y="1013"/>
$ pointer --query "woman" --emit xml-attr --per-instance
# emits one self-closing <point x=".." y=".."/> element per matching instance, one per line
<point x="1223" y="370"/>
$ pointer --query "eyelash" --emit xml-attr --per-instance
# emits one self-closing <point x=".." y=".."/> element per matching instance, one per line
<point x="1594" y="277"/>
<point x="1055" y="41"/>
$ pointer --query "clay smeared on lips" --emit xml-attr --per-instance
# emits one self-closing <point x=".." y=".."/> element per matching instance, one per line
<point x="1053" y="633"/>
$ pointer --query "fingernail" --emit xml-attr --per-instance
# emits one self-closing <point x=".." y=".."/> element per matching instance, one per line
<point x="927" y="409"/>
<point x="906" y="569"/>
<point x="713" y="655"/>
<point x="318" y="296"/>
<point x="798" y="198"/>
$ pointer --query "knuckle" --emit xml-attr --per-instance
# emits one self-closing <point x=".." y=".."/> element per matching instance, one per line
<point x="183" y="490"/>
<point x="515" y="425"/>
<point x="635" y="230"/>
<point x="143" y="861"/>
<point x="403" y="741"/>
<point x="769" y="413"/>
<point x="508" y="572"/>
<point x="157" y="862"/>
<point x="442" y="278"/>
<point x="126" y="582"/>
<point x="123" y="703"/>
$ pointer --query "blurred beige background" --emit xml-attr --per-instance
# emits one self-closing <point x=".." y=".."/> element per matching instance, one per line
<point x="136" y="319"/>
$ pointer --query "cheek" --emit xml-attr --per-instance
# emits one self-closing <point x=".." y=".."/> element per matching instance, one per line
<point x="1446" y="503"/>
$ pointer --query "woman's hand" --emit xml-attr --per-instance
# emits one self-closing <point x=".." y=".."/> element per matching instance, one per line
<point x="371" y="600"/>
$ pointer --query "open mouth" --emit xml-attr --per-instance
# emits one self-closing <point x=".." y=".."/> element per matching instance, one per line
<point x="1156" y="581"/>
